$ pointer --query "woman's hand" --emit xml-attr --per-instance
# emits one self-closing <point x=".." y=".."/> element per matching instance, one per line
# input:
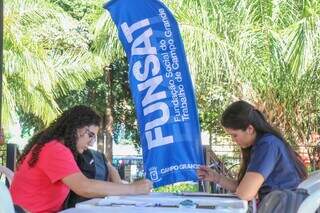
<point x="142" y="186"/>
<point x="207" y="174"/>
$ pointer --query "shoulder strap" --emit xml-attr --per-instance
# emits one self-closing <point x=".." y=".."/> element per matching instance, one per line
<point x="85" y="162"/>
<point x="100" y="166"/>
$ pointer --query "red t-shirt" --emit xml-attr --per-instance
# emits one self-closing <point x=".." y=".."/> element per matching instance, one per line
<point x="40" y="189"/>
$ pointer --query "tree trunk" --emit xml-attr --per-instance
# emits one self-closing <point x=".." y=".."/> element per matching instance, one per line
<point x="2" y="139"/>
<point x="108" y="135"/>
<point x="106" y="132"/>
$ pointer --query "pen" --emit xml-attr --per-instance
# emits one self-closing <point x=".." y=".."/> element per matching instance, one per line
<point x="214" y="164"/>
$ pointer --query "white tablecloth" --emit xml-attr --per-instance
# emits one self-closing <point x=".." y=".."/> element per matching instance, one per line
<point x="220" y="204"/>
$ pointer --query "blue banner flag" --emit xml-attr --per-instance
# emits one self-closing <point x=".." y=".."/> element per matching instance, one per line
<point x="162" y="90"/>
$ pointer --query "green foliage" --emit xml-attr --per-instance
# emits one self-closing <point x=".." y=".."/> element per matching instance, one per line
<point x="29" y="123"/>
<point x="266" y="52"/>
<point x="92" y="95"/>
<point x="87" y="10"/>
<point x="212" y="100"/>
<point x="122" y="103"/>
<point x="263" y="51"/>
<point x="3" y="151"/>
<point x="45" y="55"/>
<point x="112" y="86"/>
<point x="179" y="187"/>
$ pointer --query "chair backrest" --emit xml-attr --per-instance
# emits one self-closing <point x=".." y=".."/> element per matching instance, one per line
<point x="5" y="200"/>
<point x="7" y="172"/>
<point x="311" y="204"/>
<point x="312" y="183"/>
<point x="283" y="201"/>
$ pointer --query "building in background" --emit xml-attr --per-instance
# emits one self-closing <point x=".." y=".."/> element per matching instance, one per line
<point x="129" y="162"/>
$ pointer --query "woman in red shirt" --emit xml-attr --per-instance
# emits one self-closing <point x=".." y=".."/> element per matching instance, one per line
<point x="47" y="169"/>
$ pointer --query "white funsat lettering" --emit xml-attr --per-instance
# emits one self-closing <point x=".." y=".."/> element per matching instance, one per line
<point x="152" y="101"/>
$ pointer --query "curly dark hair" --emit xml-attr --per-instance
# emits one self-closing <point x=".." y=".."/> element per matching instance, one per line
<point x="62" y="128"/>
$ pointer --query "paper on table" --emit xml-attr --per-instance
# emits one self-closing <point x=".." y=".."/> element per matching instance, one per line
<point x="205" y="194"/>
<point x="115" y="201"/>
<point x="110" y="201"/>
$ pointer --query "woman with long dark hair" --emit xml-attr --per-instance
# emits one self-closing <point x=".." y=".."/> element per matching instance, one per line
<point x="47" y="169"/>
<point x="268" y="162"/>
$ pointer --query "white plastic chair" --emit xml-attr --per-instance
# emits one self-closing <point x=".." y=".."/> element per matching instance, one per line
<point x="311" y="203"/>
<point x="6" y="204"/>
<point x="312" y="183"/>
<point x="7" y="172"/>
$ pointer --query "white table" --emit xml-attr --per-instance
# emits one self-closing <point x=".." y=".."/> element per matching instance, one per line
<point x="114" y="204"/>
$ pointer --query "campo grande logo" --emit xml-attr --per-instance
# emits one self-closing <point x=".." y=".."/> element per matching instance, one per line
<point x="154" y="174"/>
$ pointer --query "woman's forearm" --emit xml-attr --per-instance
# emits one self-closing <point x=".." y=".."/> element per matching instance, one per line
<point x="113" y="174"/>
<point x="89" y="188"/>
<point x="228" y="183"/>
<point x="98" y="188"/>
